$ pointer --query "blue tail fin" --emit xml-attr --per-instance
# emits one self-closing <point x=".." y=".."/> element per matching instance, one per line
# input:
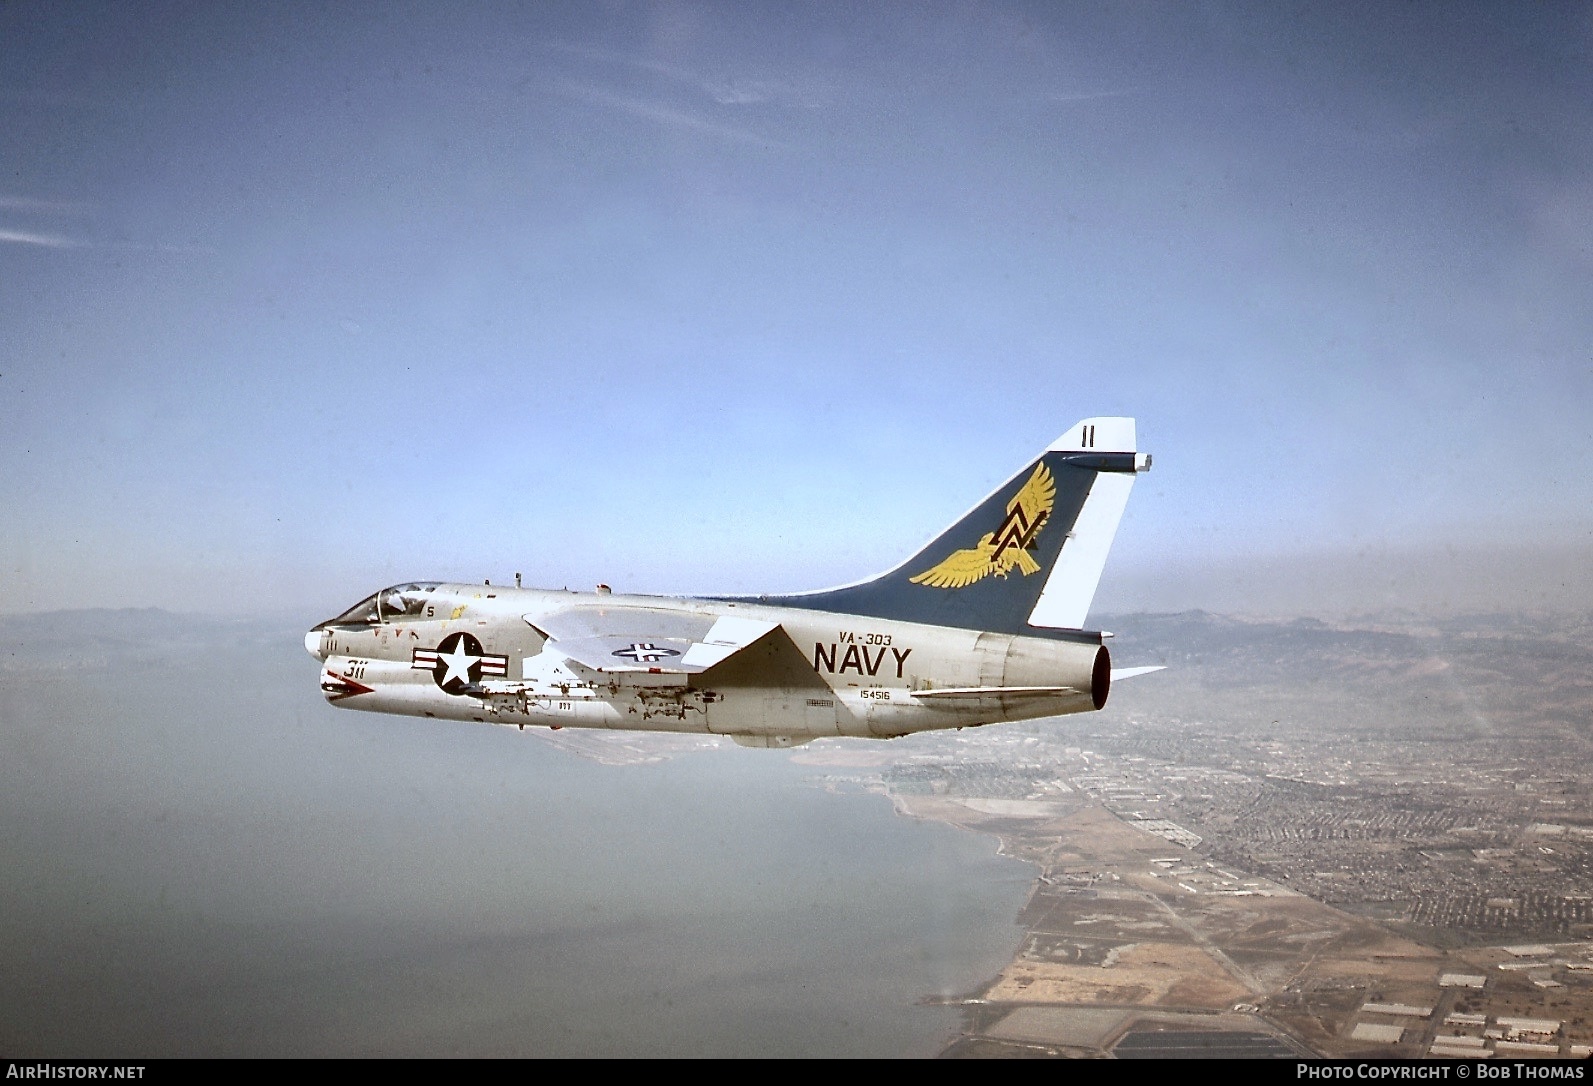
<point x="1025" y="560"/>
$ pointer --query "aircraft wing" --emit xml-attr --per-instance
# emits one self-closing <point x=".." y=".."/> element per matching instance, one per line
<point x="644" y="641"/>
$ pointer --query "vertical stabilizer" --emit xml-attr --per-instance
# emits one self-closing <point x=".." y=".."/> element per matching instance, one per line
<point x="1024" y="560"/>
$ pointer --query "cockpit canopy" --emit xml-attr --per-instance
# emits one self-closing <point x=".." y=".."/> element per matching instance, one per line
<point x="388" y="605"/>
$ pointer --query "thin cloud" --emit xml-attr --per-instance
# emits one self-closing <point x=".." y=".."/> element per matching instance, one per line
<point x="32" y="206"/>
<point x="608" y="56"/>
<point x="725" y="92"/>
<point x="48" y="241"/>
<point x="667" y="115"/>
<point x="751" y="92"/>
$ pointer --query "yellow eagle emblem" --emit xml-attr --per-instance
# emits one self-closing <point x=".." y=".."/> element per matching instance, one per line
<point x="1007" y="546"/>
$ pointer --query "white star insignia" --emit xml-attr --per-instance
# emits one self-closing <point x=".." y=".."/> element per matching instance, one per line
<point x="458" y="662"/>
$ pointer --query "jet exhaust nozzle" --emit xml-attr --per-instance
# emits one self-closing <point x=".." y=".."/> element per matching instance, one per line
<point x="1101" y="678"/>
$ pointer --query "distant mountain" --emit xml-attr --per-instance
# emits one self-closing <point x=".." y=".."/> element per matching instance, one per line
<point x="1460" y="675"/>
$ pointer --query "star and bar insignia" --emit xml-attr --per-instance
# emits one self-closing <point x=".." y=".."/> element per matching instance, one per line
<point x="458" y="662"/>
<point x="645" y="652"/>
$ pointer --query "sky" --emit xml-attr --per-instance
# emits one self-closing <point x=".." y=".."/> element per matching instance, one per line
<point x="297" y="300"/>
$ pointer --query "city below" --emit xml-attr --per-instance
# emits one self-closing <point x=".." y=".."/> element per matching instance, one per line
<point x="1367" y="839"/>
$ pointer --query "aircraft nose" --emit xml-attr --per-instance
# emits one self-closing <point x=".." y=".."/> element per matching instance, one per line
<point x="312" y="644"/>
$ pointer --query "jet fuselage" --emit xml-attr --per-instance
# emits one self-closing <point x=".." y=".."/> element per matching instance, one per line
<point x="817" y="674"/>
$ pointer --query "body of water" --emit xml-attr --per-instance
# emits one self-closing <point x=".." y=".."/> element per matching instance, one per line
<point x="203" y="858"/>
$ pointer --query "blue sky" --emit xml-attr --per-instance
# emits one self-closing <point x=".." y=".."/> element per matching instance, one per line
<point x="298" y="300"/>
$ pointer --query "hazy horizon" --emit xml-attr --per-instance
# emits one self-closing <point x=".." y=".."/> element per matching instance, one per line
<point x="1524" y="579"/>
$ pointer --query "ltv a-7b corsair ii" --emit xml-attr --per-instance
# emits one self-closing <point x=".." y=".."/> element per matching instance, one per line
<point x="982" y="625"/>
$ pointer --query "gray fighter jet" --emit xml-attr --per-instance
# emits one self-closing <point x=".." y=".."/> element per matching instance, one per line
<point x="982" y="625"/>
